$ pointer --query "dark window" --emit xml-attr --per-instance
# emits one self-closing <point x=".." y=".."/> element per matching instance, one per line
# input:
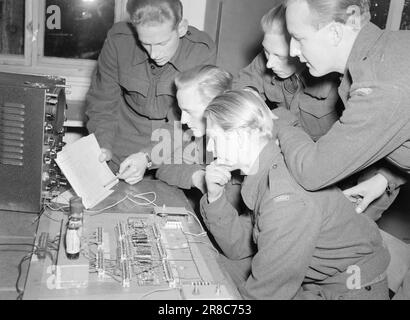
<point x="379" y="10"/>
<point x="12" y="27"/>
<point x="405" y="20"/>
<point x="83" y="27"/>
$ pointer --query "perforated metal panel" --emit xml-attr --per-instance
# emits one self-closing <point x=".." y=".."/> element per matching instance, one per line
<point x="31" y="129"/>
<point x="12" y="127"/>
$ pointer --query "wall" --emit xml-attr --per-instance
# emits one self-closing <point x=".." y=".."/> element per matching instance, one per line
<point x="194" y="11"/>
<point x="235" y="26"/>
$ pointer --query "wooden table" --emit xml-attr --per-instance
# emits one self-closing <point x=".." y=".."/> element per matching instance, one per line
<point x="40" y="282"/>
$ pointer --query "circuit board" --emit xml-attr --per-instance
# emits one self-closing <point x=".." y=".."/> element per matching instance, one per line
<point x="146" y="251"/>
<point x="135" y="255"/>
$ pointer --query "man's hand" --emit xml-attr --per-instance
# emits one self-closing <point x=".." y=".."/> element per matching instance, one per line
<point x="133" y="168"/>
<point x="216" y="178"/>
<point x="198" y="180"/>
<point x="367" y="191"/>
<point x="105" y="156"/>
<point x="283" y="117"/>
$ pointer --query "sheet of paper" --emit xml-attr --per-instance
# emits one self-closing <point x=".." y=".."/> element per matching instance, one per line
<point x="87" y="175"/>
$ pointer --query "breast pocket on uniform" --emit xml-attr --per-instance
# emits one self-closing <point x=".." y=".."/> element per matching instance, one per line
<point x="166" y="104"/>
<point x="135" y="92"/>
<point x="317" y="116"/>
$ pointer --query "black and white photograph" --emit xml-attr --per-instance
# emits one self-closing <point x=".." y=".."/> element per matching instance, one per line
<point x="204" y="155"/>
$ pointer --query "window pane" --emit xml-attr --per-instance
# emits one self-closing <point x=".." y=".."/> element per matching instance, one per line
<point x="405" y="20"/>
<point x="379" y="10"/>
<point x="77" y="28"/>
<point x="12" y="27"/>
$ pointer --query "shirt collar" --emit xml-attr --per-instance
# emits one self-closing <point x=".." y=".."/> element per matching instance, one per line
<point x="319" y="88"/>
<point x="178" y="60"/>
<point x="140" y="55"/>
<point x="250" y="187"/>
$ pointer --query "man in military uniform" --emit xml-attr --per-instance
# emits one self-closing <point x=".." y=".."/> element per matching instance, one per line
<point x="285" y="83"/>
<point x="313" y="102"/>
<point x="290" y="244"/>
<point x="132" y="91"/>
<point x="338" y="37"/>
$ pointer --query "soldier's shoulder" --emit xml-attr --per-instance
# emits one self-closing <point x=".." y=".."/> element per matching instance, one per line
<point x="281" y="186"/>
<point x="196" y="36"/>
<point x="121" y="28"/>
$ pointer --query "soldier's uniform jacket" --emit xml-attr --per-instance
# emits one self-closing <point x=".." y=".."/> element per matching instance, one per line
<point x="130" y="96"/>
<point x="376" y="122"/>
<point x="314" y="101"/>
<point x="293" y="236"/>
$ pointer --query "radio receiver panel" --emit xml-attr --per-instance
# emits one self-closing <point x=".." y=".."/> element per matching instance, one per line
<point x="32" y="114"/>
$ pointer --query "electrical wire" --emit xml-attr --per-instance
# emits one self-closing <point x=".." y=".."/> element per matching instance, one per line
<point x="21" y="292"/>
<point x="19" y="244"/>
<point x="193" y="260"/>
<point x="158" y="290"/>
<point x="24" y="259"/>
<point x="97" y="212"/>
<point x="61" y="208"/>
<point x="208" y="244"/>
<point x="39" y="215"/>
<point x="202" y="233"/>
<point x="141" y="197"/>
<point x="129" y="197"/>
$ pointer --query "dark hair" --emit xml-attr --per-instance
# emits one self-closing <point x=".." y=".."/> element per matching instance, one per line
<point x="155" y="11"/>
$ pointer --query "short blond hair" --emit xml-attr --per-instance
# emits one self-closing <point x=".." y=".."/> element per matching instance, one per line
<point x="241" y="109"/>
<point x="209" y="80"/>
<point x="275" y="21"/>
<point x="143" y="12"/>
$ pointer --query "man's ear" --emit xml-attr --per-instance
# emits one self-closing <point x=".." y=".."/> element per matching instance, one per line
<point x="183" y="28"/>
<point x="355" y="18"/>
<point x="336" y="33"/>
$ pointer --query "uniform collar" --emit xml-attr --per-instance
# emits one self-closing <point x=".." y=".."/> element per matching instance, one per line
<point x="178" y="60"/>
<point x="140" y="55"/>
<point x="250" y="187"/>
<point x="319" y="88"/>
<point x="364" y="43"/>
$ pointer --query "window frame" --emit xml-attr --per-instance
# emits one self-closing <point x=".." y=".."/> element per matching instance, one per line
<point x="395" y="15"/>
<point x="38" y="52"/>
<point x="24" y="59"/>
<point x="33" y="60"/>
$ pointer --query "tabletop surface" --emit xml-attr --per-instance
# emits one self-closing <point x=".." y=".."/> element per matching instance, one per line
<point x="41" y="280"/>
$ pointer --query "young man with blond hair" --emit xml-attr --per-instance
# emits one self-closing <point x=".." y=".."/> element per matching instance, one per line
<point x="132" y="91"/>
<point x="285" y="83"/>
<point x="310" y="102"/>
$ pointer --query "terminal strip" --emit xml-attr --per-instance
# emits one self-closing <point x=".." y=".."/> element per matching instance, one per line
<point x="161" y="250"/>
<point x="124" y="254"/>
<point x="141" y="254"/>
<point x="167" y="270"/>
<point x="126" y="273"/>
<point x="155" y="231"/>
<point x="99" y="237"/>
<point x="100" y="261"/>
